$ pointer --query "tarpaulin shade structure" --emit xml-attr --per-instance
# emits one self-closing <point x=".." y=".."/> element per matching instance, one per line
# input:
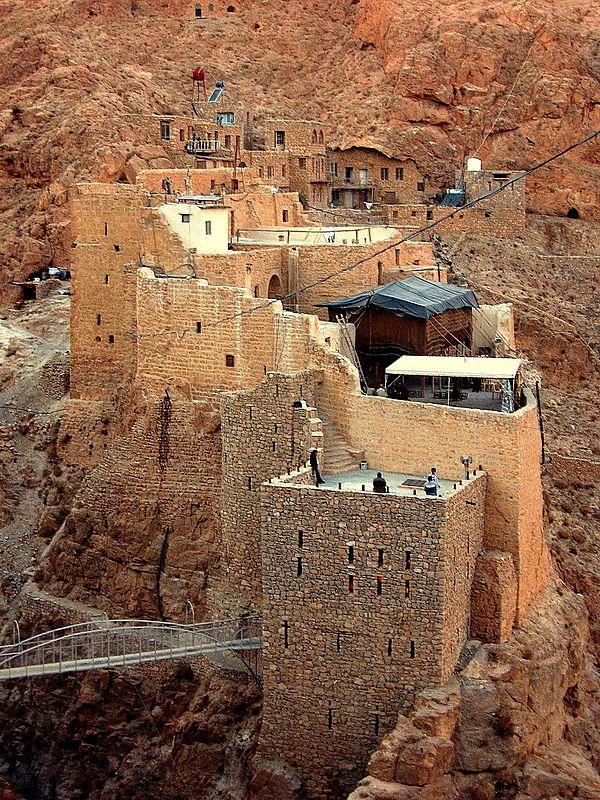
<point x="415" y="297"/>
<point x="451" y="367"/>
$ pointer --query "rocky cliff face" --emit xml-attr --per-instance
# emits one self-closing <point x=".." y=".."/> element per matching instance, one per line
<point x="108" y="735"/>
<point x="427" y="82"/>
<point x="520" y="721"/>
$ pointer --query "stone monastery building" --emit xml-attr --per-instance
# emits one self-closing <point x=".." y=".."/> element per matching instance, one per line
<point x="200" y="294"/>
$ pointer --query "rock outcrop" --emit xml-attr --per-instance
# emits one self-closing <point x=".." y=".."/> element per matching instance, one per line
<point x="520" y="721"/>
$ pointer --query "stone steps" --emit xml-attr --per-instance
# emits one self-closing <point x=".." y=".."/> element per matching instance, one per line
<point x="338" y="456"/>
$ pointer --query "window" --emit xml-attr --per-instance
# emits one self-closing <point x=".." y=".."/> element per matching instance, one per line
<point x="283" y="170"/>
<point x="298" y="567"/>
<point x="300" y="538"/>
<point x="397" y="258"/>
<point x="208" y="227"/>
<point x="394" y="215"/>
<point x="229" y="361"/>
<point x="380" y="557"/>
<point x="333" y="167"/>
<point x="165" y="130"/>
<point x="407" y="560"/>
<point x="429" y="214"/>
<point x="321" y="137"/>
<point x="117" y="248"/>
<point x="106" y="279"/>
<point x="261" y="172"/>
<point x="284" y="215"/>
<point x="379" y="584"/>
<point x="350" y="584"/>
<point x="181" y="135"/>
<point x="106" y="228"/>
<point x="286" y="634"/>
<point x="198" y="12"/>
<point x="98" y="319"/>
<point x="198" y="327"/>
<point x="280" y="139"/>
<point x="399" y="173"/>
<point x="302" y="164"/>
<point x="227" y="141"/>
<point x="111" y="338"/>
<point x="230" y="9"/>
<point x="406" y="588"/>
<point x="385" y="174"/>
<point x="270" y="172"/>
<point x="225" y="118"/>
<point x="351" y="554"/>
<point x="349" y="174"/>
<point x="185" y="217"/>
<point x="420" y="186"/>
<point x="390" y="647"/>
<point x="412" y="649"/>
<point x="313" y="138"/>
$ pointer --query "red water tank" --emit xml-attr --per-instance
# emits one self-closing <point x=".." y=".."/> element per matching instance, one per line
<point x="198" y="74"/>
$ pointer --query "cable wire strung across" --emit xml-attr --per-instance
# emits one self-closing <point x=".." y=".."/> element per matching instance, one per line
<point x="291" y="295"/>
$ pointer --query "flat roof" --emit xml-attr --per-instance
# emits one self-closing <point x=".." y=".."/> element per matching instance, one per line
<point x="455" y="367"/>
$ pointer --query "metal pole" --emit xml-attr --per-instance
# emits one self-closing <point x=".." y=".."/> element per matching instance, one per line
<point x="541" y="422"/>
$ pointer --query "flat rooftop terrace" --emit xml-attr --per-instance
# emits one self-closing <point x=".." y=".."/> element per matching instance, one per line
<point x="354" y="481"/>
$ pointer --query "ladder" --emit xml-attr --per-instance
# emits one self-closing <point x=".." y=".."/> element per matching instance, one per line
<point x="351" y="349"/>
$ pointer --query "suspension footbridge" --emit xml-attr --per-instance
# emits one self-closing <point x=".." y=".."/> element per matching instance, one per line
<point x="113" y="644"/>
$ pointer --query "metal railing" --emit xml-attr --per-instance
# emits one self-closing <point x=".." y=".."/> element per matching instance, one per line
<point x="199" y="146"/>
<point x="104" y="643"/>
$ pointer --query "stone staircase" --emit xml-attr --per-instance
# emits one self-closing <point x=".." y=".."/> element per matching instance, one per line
<point x="338" y="456"/>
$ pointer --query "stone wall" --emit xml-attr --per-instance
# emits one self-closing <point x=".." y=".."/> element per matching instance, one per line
<point x="54" y="377"/>
<point x="406" y="436"/>
<point x="358" y="590"/>
<point x="264" y="435"/>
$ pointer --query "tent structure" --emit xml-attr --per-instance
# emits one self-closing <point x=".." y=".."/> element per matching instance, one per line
<point x="414" y="297"/>
<point x="450" y="367"/>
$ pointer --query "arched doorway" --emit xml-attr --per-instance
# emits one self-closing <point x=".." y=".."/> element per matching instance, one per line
<point x="572" y="213"/>
<point x="274" y="291"/>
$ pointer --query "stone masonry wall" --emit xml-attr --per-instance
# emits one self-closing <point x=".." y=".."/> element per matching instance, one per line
<point x="342" y="657"/>
<point x="263" y="435"/>
<point x="404" y="436"/>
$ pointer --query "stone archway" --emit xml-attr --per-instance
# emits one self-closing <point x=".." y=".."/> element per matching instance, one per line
<point x="275" y="290"/>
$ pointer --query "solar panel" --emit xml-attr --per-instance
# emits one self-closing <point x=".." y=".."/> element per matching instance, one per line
<point x="216" y="93"/>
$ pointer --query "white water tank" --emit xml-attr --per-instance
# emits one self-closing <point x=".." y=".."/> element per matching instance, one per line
<point x="473" y="165"/>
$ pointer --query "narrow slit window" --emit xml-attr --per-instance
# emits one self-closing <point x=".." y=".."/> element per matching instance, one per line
<point x="106" y="279"/>
<point x="229" y="360"/>
<point x="338" y="642"/>
<point x="300" y="538"/>
<point x="286" y="634"/>
<point x="274" y="447"/>
<point x="376" y="725"/>
<point x="380" y="557"/>
<point x="390" y="647"/>
<point x="407" y="588"/>
<point x="250" y="483"/>
<point x="350" y="584"/>
<point x="351" y="554"/>
<point x="106" y="228"/>
<point x="198" y="327"/>
<point x="379" y="584"/>
<point x="298" y="567"/>
<point x="397" y="258"/>
<point x="111" y="338"/>
<point x="98" y="319"/>
<point x="330" y="718"/>
<point x="412" y="649"/>
<point x="408" y="559"/>
<point x="208" y="227"/>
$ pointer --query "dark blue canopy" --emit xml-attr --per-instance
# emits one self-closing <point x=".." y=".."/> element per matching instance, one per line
<point x="416" y="297"/>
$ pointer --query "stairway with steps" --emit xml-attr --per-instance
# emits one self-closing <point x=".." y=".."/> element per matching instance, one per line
<point x="338" y="456"/>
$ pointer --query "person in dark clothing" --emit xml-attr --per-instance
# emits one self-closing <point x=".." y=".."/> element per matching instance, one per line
<point x="314" y="465"/>
<point x="379" y="484"/>
<point x="430" y="486"/>
<point x="403" y="392"/>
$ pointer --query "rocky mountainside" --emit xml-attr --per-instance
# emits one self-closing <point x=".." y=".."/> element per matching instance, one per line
<point x="513" y="81"/>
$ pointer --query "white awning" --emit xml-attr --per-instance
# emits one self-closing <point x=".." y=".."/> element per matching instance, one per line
<point x="455" y="367"/>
